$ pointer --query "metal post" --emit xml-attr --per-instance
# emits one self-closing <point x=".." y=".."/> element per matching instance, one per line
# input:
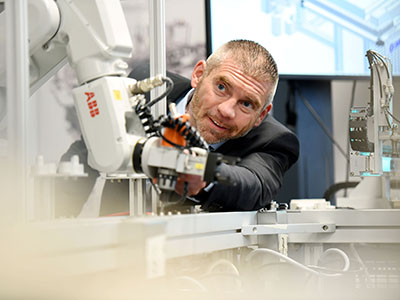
<point x="132" y="196"/>
<point x="137" y="196"/>
<point x="157" y="63"/>
<point x="154" y="200"/>
<point x="157" y="50"/>
<point x="17" y="84"/>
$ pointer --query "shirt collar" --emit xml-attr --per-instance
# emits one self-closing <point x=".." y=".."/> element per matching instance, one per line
<point x="181" y="106"/>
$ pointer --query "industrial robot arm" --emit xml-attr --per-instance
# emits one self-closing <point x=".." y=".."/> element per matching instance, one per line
<point x="120" y="133"/>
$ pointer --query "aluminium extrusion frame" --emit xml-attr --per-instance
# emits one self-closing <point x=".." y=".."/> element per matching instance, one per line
<point x="284" y="231"/>
<point x="91" y="246"/>
<point x="157" y="51"/>
<point x="352" y="226"/>
<point x="207" y="232"/>
<point x="137" y="187"/>
<point x="191" y="234"/>
<point x="109" y="244"/>
<point x="17" y="95"/>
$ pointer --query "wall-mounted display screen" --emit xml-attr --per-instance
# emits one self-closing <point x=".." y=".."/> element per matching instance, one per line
<point x="312" y="37"/>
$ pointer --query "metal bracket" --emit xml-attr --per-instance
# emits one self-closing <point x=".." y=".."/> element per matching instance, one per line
<point x="271" y="229"/>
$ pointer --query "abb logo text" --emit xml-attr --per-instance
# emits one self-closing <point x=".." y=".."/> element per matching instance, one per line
<point x="92" y="104"/>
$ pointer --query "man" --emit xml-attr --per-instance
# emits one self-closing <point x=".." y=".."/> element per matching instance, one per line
<point x="228" y="104"/>
<point x="232" y="96"/>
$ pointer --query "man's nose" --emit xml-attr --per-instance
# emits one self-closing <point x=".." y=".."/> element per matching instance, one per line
<point x="227" y="108"/>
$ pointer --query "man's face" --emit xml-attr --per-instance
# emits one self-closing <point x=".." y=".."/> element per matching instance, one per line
<point x="227" y="103"/>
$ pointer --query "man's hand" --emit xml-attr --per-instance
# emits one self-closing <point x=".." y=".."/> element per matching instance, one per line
<point x="195" y="184"/>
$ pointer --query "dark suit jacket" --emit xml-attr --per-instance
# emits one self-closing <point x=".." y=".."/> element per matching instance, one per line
<point x="266" y="153"/>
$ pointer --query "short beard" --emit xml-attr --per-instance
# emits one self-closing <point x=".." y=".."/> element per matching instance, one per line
<point x="222" y="139"/>
<point x="194" y="103"/>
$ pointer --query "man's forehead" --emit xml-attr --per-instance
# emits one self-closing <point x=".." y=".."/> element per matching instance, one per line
<point x="232" y="65"/>
<point x="231" y="75"/>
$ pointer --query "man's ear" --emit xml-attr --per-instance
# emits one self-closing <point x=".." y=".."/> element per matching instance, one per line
<point x="263" y="114"/>
<point x="198" y="72"/>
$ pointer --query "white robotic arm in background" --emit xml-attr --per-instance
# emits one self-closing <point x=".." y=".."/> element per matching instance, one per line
<point x="114" y="117"/>
<point x="374" y="134"/>
<point x="375" y="142"/>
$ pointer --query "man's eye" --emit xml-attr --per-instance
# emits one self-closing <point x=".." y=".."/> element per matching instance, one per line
<point x="221" y="87"/>
<point x="247" y="104"/>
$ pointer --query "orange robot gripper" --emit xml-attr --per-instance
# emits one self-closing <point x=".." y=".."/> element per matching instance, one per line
<point x="175" y="136"/>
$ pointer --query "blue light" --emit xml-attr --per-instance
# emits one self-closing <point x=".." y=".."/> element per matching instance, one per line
<point x="365" y="153"/>
<point x="369" y="174"/>
<point x="386" y="164"/>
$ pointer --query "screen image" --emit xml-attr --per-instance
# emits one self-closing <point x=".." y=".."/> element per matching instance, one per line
<point x="314" y="37"/>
